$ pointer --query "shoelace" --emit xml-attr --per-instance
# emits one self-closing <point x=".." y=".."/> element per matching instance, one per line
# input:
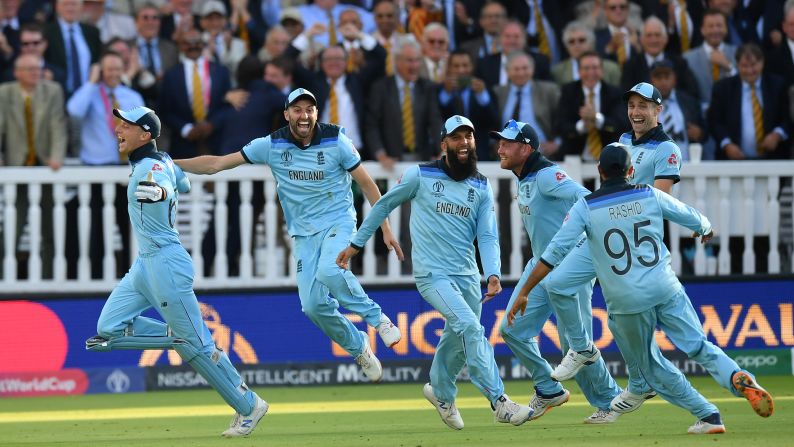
<point x="363" y="360"/>
<point x="600" y="414"/>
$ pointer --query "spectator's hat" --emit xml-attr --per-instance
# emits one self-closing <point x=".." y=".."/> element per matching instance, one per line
<point x="662" y="66"/>
<point x="297" y="94"/>
<point x="213" y="7"/>
<point x="143" y="117"/>
<point x="645" y="91"/>
<point x="290" y="14"/>
<point x="454" y="123"/>
<point x="615" y="160"/>
<point x="518" y="131"/>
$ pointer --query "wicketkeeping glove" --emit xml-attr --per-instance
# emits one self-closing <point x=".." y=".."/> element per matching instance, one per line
<point x="149" y="191"/>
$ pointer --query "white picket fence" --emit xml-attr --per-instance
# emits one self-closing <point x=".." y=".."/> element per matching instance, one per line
<point x="745" y="199"/>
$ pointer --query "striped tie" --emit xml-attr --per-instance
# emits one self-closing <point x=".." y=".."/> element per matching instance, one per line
<point x="331" y="29"/>
<point x="333" y="104"/>
<point x="621" y="53"/>
<point x="244" y="36"/>
<point x="351" y="61"/>
<point x="389" y="58"/>
<point x="758" y="120"/>
<point x="543" y="39"/>
<point x="684" y="25"/>
<point x="30" y="160"/>
<point x="409" y="140"/>
<point x="594" y="144"/>
<point x="715" y="72"/>
<point x="494" y="47"/>
<point x="199" y="113"/>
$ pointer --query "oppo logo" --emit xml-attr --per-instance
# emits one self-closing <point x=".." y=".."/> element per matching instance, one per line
<point x="755" y="361"/>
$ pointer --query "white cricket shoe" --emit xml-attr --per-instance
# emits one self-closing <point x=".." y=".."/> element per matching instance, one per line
<point x="540" y="405"/>
<point x="508" y="411"/>
<point x="573" y="362"/>
<point x="368" y="362"/>
<point x="705" y="428"/>
<point x="389" y="333"/>
<point x="626" y="401"/>
<point x="448" y="412"/>
<point x="602" y="417"/>
<point x="244" y="425"/>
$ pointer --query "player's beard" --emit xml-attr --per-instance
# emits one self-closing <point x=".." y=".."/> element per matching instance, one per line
<point x="462" y="170"/>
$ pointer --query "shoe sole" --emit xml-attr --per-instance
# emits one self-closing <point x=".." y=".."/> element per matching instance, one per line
<point x="549" y="408"/>
<point x="431" y="399"/>
<point x="713" y="431"/>
<point x="759" y="398"/>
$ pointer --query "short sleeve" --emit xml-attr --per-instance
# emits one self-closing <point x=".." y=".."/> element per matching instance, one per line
<point x="257" y="151"/>
<point x="668" y="162"/>
<point x="349" y="157"/>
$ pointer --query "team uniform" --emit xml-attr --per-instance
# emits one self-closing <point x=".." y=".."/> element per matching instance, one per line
<point x="314" y="188"/>
<point x="162" y="278"/>
<point x="446" y="217"/>
<point x="624" y="228"/>
<point x="545" y="194"/>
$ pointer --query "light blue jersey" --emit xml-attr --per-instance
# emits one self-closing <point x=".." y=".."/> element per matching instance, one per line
<point x="153" y="223"/>
<point x="624" y="226"/>
<point x="545" y="194"/>
<point x="446" y="217"/>
<point x="313" y="182"/>
<point x="654" y="156"/>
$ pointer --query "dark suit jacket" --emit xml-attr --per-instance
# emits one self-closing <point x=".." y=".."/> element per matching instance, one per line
<point x="464" y="31"/>
<point x="553" y="10"/>
<point x="12" y="37"/>
<point x="659" y="9"/>
<point x="56" y="47"/>
<point x="725" y="112"/>
<point x="169" y="56"/>
<point x="168" y="26"/>
<point x="488" y="68"/>
<point x="383" y="129"/>
<point x="780" y="61"/>
<point x="602" y="38"/>
<point x="746" y="18"/>
<point x="486" y="116"/>
<point x="262" y="114"/>
<point x="690" y="107"/>
<point x="353" y="85"/>
<point x="611" y="106"/>
<point x="636" y="70"/>
<point x="176" y="108"/>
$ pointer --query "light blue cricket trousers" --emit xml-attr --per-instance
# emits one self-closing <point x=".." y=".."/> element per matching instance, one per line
<point x="318" y="275"/>
<point x="463" y="340"/>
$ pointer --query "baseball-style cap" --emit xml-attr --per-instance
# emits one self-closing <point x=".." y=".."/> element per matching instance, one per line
<point x="290" y="14"/>
<point x="518" y="131"/>
<point x="661" y="66"/>
<point x="143" y="117"/>
<point x="297" y="94"/>
<point x="213" y="7"/>
<point x="615" y="159"/>
<point x="645" y="91"/>
<point x="454" y="123"/>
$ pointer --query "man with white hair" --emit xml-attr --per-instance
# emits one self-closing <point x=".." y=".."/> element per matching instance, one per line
<point x="578" y="38"/>
<point x="435" y="52"/>
<point x="73" y="46"/>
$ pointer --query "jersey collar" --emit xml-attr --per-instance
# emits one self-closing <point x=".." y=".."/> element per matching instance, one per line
<point x="657" y="134"/>
<point x="615" y="183"/>
<point x="535" y="162"/>
<point x="316" y="138"/>
<point x="143" y="152"/>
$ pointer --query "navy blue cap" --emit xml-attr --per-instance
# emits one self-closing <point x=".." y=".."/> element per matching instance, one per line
<point x="615" y="159"/>
<point x="645" y="91"/>
<point x="143" y="117"/>
<point x="453" y="123"/>
<point x="662" y="65"/>
<point x="297" y="94"/>
<point x="518" y="131"/>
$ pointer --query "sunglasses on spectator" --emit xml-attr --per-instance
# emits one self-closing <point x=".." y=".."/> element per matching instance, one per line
<point x="576" y="40"/>
<point x="31" y="43"/>
<point x="436" y="41"/>
<point x="616" y="7"/>
<point x="384" y="16"/>
<point x="150" y="17"/>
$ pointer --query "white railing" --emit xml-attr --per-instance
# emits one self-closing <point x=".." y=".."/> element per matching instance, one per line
<point x="741" y="198"/>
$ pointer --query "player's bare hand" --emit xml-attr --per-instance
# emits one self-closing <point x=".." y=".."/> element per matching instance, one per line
<point x="520" y="305"/>
<point x="770" y="141"/>
<point x="237" y="98"/>
<point x="477" y="85"/>
<point x="733" y="152"/>
<point x="95" y="75"/>
<point x="705" y="238"/>
<point x="494" y="288"/>
<point x="392" y="244"/>
<point x="343" y="259"/>
<point x="316" y="30"/>
<point x="719" y="58"/>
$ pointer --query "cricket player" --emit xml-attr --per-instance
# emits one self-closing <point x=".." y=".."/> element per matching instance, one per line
<point x="545" y="194"/>
<point x="313" y="164"/>
<point x="451" y="205"/>
<point x="162" y="276"/>
<point x="624" y="224"/>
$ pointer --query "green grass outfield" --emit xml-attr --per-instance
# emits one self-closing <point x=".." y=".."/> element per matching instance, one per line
<point x="376" y="415"/>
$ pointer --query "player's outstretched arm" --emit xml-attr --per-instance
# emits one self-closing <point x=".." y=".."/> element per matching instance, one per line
<point x="210" y="164"/>
<point x="372" y="193"/>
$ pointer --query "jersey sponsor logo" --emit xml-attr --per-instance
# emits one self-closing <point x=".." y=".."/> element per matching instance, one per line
<point x="560" y="176"/>
<point x="286" y="158"/>
<point x="672" y="160"/>
<point x="453" y="209"/>
<point x="307" y="175"/>
<point x="438" y="188"/>
<point x="156" y="167"/>
<point x="320" y="158"/>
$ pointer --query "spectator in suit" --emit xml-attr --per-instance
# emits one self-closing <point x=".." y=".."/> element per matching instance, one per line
<point x="192" y="100"/>
<point x="435" y="51"/>
<point x="340" y="99"/>
<point x="110" y="23"/>
<point x="713" y="60"/>
<point x="727" y="7"/>
<point x="387" y="20"/>
<point x="682" y="19"/>
<point x="579" y="38"/>
<point x="222" y="47"/>
<point x="276" y="42"/>
<point x="33" y="123"/>
<point x="458" y="19"/>
<point x="465" y="95"/>
<point x="403" y="118"/>
<point x="653" y="40"/>
<point x="748" y="115"/>
<point x="619" y="40"/>
<point x="72" y="46"/>
<point x="681" y="116"/>
<point x="179" y="20"/>
<point x="492" y="18"/>
<point x="32" y="41"/>
<point x="493" y="68"/>
<point x="326" y="13"/>
<point x="9" y="34"/>
<point x="781" y="58"/>
<point x="279" y="73"/>
<point x="365" y="56"/>
<point x="156" y="55"/>
<point x="542" y="20"/>
<point x="530" y="101"/>
<point x="591" y="112"/>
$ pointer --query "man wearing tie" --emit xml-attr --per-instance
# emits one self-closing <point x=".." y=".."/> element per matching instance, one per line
<point x="73" y="46"/>
<point x="492" y="18"/>
<point x="339" y="94"/>
<point x="156" y="55"/>
<point x="713" y="60"/>
<point x="435" y="49"/>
